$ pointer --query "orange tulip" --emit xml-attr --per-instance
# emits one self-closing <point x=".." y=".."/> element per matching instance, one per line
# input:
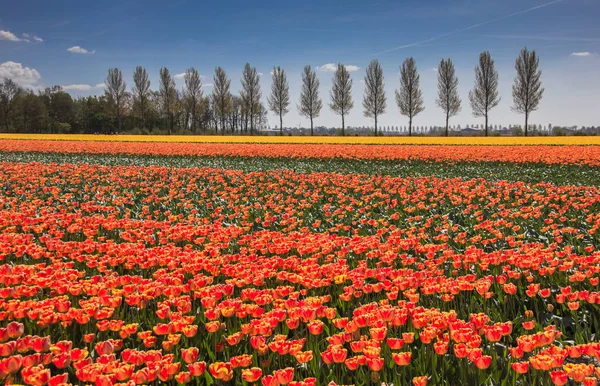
<point x="420" y="381"/>
<point x="197" y="369"/>
<point x="221" y="371"/>
<point x="375" y="364"/>
<point x="269" y="380"/>
<point x="395" y="343"/>
<point x="520" y="367"/>
<point x="304" y="357"/>
<point x="402" y="359"/>
<point x="559" y="377"/>
<point x="483" y="362"/>
<point x="190" y="355"/>
<point x="252" y="374"/>
<point x="284" y="376"/>
<point x="315" y="327"/>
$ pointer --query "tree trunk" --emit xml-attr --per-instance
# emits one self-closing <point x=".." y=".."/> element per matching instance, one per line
<point x="251" y="121"/>
<point x="486" y="124"/>
<point x="343" y="127"/>
<point x="526" y="123"/>
<point x="311" y="126"/>
<point x="143" y="117"/>
<point x="410" y="126"/>
<point x="447" y="118"/>
<point x="281" y="124"/>
<point x="376" y="125"/>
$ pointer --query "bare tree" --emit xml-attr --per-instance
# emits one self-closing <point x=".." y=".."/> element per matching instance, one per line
<point x="484" y="95"/>
<point x="527" y="89"/>
<point x="448" y="99"/>
<point x="235" y="113"/>
<point x="114" y="89"/>
<point x="279" y="100"/>
<point x="221" y="96"/>
<point x="341" y="94"/>
<point x="410" y="97"/>
<point x="192" y="94"/>
<point x="260" y="116"/>
<point x="9" y="91"/>
<point x="141" y="91"/>
<point x="168" y="96"/>
<point x="374" y="101"/>
<point x="310" y="103"/>
<point x="251" y="92"/>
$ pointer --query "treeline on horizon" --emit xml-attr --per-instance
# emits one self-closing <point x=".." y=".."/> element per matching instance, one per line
<point x="140" y="110"/>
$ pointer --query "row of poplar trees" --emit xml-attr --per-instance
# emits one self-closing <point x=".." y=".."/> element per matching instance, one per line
<point x="527" y="91"/>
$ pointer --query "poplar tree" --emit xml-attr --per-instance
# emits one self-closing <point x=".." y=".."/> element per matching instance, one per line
<point x="374" y="101"/>
<point x="341" y="94"/>
<point x="527" y="89"/>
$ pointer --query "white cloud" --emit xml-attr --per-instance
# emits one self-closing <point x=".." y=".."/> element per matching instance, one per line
<point x="27" y="38"/>
<point x="434" y="69"/>
<point x="23" y="76"/>
<point x="7" y="35"/>
<point x="181" y="76"/>
<point x="81" y="87"/>
<point x="80" y="50"/>
<point x="260" y="74"/>
<point x="207" y="85"/>
<point x="581" y="54"/>
<point x="331" y="67"/>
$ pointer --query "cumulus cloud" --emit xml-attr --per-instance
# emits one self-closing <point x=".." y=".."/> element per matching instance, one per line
<point x="207" y="85"/>
<point x="581" y="54"/>
<point x="27" y="38"/>
<point x="80" y="50"/>
<point x="81" y="87"/>
<point x="7" y="35"/>
<point x="331" y="67"/>
<point x="23" y="76"/>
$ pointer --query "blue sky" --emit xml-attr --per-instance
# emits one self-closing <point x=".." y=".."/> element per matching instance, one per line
<point x="37" y="40"/>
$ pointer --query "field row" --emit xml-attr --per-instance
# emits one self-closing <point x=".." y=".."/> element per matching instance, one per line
<point x="149" y="273"/>
<point x="551" y="155"/>
<point x="400" y="140"/>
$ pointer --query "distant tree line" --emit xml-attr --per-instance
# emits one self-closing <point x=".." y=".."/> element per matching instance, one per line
<point x="141" y="110"/>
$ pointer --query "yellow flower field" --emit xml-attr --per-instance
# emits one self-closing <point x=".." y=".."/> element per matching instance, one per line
<point x="320" y="140"/>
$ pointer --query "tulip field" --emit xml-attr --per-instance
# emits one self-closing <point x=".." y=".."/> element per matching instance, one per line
<point x="298" y="264"/>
